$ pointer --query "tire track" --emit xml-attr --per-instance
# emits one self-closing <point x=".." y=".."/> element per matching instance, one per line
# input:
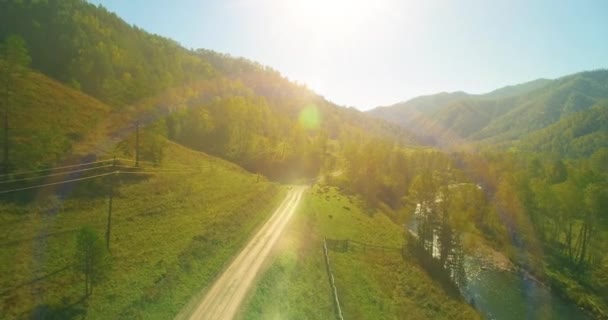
<point x="224" y="298"/>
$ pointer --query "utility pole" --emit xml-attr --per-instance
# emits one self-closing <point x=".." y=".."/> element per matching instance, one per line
<point x="5" y="160"/>
<point x="137" y="143"/>
<point x="283" y="151"/>
<point x="6" y="107"/>
<point x="112" y="178"/>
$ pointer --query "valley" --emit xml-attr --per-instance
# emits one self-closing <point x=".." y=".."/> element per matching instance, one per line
<point x="142" y="178"/>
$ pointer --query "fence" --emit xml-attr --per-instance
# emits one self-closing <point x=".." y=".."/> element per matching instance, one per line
<point x="353" y="245"/>
<point x="332" y="283"/>
<point x="344" y="246"/>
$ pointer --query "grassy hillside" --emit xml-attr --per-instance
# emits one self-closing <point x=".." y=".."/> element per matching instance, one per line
<point x="371" y="285"/>
<point x="172" y="233"/>
<point x="47" y="120"/>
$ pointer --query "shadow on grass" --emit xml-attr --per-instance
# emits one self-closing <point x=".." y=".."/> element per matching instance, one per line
<point x="149" y="211"/>
<point x="26" y="192"/>
<point x="46" y="277"/>
<point x="65" y="310"/>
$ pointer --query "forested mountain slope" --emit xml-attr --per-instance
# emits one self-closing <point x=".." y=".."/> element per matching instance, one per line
<point x="230" y="107"/>
<point x="410" y="112"/>
<point x="548" y="105"/>
<point x="578" y="135"/>
<point x="517" y="89"/>
<point x="504" y="115"/>
<point x="94" y="50"/>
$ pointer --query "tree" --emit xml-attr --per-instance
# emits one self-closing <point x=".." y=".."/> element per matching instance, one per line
<point x="568" y="197"/>
<point x="595" y="201"/>
<point x="91" y="258"/>
<point x="14" y="60"/>
<point x="424" y="192"/>
<point x="557" y="172"/>
<point x="599" y="161"/>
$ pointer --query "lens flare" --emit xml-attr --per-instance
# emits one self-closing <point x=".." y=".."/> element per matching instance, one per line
<point x="309" y="117"/>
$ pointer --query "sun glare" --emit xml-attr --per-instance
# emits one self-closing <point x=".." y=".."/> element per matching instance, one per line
<point x="329" y="19"/>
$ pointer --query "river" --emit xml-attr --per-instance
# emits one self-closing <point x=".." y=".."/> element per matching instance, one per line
<point x="499" y="293"/>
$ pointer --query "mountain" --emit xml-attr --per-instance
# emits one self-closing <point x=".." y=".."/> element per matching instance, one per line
<point x="545" y="106"/>
<point x="517" y="89"/>
<point x="502" y="116"/>
<point x="98" y="88"/>
<point x="229" y="107"/>
<point x="424" y="104"/>
<point x="405" y="112"/>
<point x="579" y="135"/>
<point x="92" y="49"/>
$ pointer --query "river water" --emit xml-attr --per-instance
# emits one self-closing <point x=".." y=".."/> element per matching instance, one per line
<point x="500" y="293"/>
<point x="503" y="294"/>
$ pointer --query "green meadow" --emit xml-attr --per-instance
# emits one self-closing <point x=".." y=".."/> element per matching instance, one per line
<point x="171" y="234"/>
<point x="371" y="284"/>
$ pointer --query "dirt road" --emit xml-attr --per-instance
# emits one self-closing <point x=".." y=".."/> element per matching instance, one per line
<point x="224" y="298"/>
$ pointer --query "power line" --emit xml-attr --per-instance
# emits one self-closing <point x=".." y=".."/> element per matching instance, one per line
<point x="97" y="176"/>
<point x="57" y="183"/>
<point x="155" y="170"/>
<point x="163" y="168"/>
<point x="127" y="167"/>
<point x="149" y="162"/>
<point x="129" y="160"/>
<point x="56" y="168"/>
<point x="55" y="174"/>
<point x="152" y="172"/>
<point x="156" y="164"/>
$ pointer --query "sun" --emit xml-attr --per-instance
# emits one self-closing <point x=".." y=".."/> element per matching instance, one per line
<point x="329" y="19"/>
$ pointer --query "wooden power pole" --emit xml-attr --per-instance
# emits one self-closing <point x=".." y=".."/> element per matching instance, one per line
<point x="137" y="144"/>
<point x="111" y="195"/>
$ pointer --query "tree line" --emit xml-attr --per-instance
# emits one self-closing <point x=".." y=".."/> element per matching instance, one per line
<point x="95" y="51"/>
<point x="546" y="213"/>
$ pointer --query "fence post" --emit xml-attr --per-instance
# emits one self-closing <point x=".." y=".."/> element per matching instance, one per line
<point x="332" y="283"/>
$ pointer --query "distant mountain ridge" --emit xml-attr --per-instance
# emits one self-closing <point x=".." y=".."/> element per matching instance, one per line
<point x="506" y="116"/>
<point x="517" y="89"/>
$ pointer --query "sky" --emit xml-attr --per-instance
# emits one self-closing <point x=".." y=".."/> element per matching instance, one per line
<point x="368" y="53"/>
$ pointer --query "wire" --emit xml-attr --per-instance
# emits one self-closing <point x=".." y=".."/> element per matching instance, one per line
<point x="158" y="169"/>
<point x="131" y="160"/>
<point x="126" y="167"/>
<point x="153" y="172"/>
<point x="56" y="183"/>
<point x="95" y="176"/>
<point x="56" y="168"/>
<point x="55" y="174"/>
<point x="155" y="164"/>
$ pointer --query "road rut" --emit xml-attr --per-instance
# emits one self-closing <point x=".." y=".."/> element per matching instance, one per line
<point x="224" y="298"/>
